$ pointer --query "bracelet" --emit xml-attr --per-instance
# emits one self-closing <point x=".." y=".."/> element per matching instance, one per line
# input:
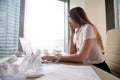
<point x="58" y="57"/>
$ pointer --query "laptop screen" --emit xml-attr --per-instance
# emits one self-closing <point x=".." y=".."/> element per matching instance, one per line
<point x="26" y="46"/>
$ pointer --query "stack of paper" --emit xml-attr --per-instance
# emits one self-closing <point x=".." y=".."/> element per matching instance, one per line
<point x="67" y="72"/>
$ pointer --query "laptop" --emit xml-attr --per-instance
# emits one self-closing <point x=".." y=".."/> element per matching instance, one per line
<point x="26" y="46"/>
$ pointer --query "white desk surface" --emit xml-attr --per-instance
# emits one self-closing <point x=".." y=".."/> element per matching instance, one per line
<point x="50" y="67"/>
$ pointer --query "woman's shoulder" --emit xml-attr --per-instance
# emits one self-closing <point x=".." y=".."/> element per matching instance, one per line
<point x="88" y="27"/>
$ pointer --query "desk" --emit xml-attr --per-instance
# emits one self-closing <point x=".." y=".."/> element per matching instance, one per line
<point x="102" y="74"/>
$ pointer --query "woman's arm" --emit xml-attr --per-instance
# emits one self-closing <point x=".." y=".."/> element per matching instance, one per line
<point x="83" y="53"/>
<point x="72" y="46"/>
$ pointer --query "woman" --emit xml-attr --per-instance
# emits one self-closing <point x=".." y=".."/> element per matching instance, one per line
<point x="85" y="42"/>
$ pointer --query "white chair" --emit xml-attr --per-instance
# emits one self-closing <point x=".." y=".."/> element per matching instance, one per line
<point x="112" y="51"/>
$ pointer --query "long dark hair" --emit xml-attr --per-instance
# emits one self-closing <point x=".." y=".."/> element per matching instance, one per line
<point x="80" y="17"/>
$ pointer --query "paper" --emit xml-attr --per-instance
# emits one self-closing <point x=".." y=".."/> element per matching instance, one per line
<point x="32" y="66"/>
<point x="68" y="72"/>
<point x="9" y="72"/>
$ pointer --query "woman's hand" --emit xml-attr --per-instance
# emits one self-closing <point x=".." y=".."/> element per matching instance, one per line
<point x="72" y="30"/>
<point x="48" y="58"/>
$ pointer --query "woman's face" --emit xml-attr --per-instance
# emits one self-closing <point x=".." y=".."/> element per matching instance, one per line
<point x="72" y="23"/>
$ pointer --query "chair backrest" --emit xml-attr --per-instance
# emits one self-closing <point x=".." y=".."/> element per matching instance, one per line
<point x="112" y="51"/>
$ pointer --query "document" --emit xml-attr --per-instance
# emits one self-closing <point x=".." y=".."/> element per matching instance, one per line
<point x="68" y="72"/>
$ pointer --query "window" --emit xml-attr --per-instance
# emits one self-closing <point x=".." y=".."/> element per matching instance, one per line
<point x="9" y="26"/>
<point x="117" y="12"/>
<point x="45" y="24"/>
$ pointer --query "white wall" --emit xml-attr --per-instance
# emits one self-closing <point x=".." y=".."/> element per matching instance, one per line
<point x="74" y="3"/>
<point x="95" y="10"/>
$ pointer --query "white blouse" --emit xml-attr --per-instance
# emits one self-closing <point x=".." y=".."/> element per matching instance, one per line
<point x="87" y="32"/>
